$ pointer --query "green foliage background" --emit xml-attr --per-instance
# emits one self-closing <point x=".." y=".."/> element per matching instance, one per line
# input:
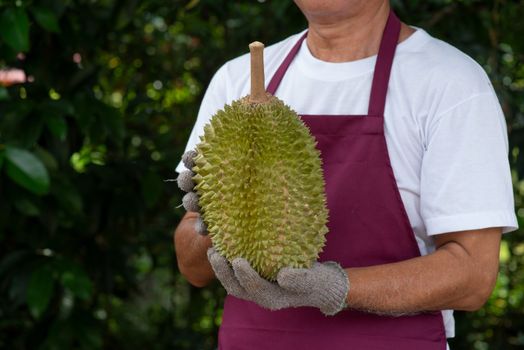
<point x="86" y="221"/>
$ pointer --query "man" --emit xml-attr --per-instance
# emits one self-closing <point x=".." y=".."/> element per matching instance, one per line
<point x="417" y="180"/>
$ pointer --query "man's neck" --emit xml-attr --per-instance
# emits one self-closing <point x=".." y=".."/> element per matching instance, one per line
<point x="350" y="38"/>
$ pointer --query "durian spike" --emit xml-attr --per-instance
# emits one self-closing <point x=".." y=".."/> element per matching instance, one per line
<point x="258" y="90"/>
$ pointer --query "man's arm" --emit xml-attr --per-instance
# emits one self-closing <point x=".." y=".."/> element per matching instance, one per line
<point x="191" y="248"/>
<point x="460" y="275"/>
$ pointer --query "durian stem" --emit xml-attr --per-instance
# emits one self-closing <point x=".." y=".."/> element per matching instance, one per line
<point x="258" y="90"/>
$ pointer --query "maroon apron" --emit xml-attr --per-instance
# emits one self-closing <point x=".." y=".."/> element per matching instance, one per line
<point x="368" y="225"/>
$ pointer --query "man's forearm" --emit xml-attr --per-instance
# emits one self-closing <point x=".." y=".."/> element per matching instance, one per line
<point x="449" y="278"/>
<point x="410" y="286"/>
<point x="191" y="252"/>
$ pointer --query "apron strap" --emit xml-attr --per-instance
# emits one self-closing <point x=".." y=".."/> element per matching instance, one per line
<point x="386" y="52"/>
<point x="379" y="88"/>
<point x="279" y="74"/>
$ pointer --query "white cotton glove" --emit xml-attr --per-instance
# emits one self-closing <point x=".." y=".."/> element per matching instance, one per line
<point x="186" y="184"/>
<point x="324" y="285"/>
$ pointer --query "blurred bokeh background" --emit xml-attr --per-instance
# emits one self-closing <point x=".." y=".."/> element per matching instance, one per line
<point x="97" y="99"/>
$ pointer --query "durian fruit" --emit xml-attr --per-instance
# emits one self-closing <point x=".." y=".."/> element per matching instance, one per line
<point x="260" y="181"/>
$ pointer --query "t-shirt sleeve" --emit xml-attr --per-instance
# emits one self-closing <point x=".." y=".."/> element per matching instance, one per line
<point x="214" y="99"/>
<point x="465" y="175"/>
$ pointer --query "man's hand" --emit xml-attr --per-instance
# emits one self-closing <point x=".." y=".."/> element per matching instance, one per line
<point x="186" y="184"/>
<point x="324" y="285"/>
<point x="191" y="238"/>
<point x="190" y="249"/>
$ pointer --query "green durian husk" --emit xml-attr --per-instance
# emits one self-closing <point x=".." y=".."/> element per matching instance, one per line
<point x="260" y="181"/>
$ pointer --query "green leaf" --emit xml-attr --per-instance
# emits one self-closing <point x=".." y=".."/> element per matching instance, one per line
<point x="7" y="52"/>
<point x="17" y="287"/>
<point x="4" y="94"/>
<point x="40" y="290"/>
<point x="2" y="157"/>
<point x="76" y="280"/>
<point x="47" y="158"/>
<point x="57" y="107"/>
<point x="14" y="28"/>
<point x="46" y="19"/>
<point x="26" y="206"/>
<point x="24" y="168"/>
<point x="57" y="125"/>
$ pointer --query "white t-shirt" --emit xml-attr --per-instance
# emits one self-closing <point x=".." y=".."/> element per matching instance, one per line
<point x="445" y="131"/>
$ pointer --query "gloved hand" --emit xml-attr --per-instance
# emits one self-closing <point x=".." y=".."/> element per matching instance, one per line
<point x="324" y="285"/>
<point x="190" y="199"/>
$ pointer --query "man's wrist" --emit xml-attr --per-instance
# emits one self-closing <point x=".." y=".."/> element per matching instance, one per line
<point x="339" y="289"/>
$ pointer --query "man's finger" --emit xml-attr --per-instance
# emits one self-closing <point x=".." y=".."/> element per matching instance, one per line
<point x="224" y="273"/>
<point x="294" y="280"/>
<point x="266" y="294"/>
<point x="190" y="202"/>
<point x="187" y="158"/>
<point x="250" y="279"/>
<point x="185" y="181"/>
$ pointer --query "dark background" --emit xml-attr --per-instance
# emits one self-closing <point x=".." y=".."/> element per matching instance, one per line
<point x="86" y="221"/>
